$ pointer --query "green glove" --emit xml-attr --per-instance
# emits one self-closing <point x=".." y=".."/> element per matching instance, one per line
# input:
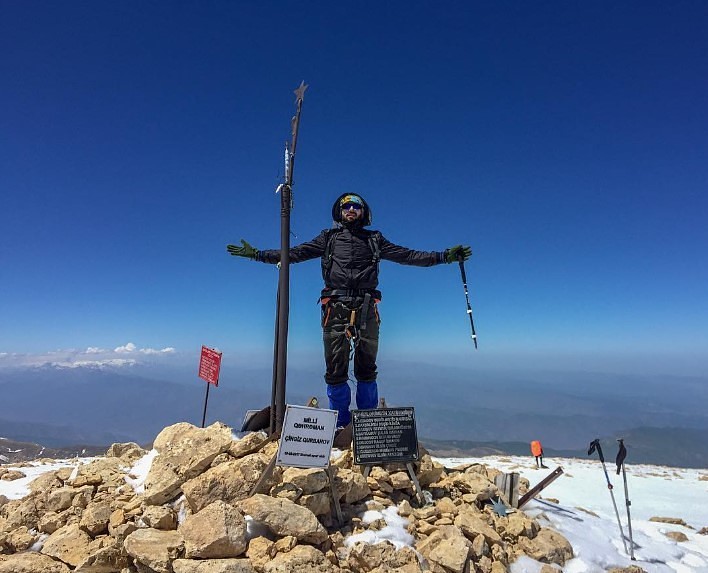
<point x="248" y="251"/>
<point x="456" y="253"/>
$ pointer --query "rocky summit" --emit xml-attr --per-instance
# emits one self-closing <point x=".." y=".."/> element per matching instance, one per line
<point x="196" y="512"/>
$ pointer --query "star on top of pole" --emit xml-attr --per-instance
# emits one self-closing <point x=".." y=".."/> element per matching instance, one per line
<point x="300" y="91"/>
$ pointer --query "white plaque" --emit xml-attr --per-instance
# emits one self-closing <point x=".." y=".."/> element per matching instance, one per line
<point x="306" y="440"/>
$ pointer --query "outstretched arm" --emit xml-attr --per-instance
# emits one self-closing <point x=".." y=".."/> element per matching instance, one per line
<point x="303" y="252"/>
<point x="405" y="256"/>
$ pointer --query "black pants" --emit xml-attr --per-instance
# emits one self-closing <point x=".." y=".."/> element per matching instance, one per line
<point x="338" y="326"/>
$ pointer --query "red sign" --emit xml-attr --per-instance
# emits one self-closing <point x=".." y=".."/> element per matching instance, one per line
<point x="209" y="365"/>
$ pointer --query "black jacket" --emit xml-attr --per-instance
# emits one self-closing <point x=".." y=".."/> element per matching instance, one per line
<point x="353" y="267"/>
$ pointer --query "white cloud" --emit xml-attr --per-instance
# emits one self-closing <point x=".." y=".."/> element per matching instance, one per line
<point x="168" y="350"/>
<point x="95" y="350"/>
<point x="114" y="362"/>
<point x="92" y="357"/>
<point x="130" y="347"/>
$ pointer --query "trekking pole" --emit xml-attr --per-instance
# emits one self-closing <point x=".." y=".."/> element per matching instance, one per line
<point x="461" y="260"/>
<point x="621" y="455"/>
<point x="595" y="446"/>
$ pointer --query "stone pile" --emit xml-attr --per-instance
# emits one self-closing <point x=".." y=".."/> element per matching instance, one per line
<point x="194" y="514"/>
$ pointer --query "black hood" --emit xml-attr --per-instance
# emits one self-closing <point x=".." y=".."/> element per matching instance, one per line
<point x="337" y="211"/>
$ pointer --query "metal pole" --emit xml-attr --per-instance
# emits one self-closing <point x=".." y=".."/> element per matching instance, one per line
<point x="281" y="340"/>
<point x="206" y="399"/>
<point x="620" y="460"/>
<point x="629" y="517"/>
<point x="271" y="428"/>
<point x="283" y="309"/>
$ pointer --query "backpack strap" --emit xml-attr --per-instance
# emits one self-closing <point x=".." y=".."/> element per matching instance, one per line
<point x="374" y="240"/>
<point x="327" y="255"/>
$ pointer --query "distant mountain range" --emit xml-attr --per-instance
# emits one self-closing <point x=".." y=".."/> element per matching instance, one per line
<point x="13" y="451"/>
<point x="456" y="411"/>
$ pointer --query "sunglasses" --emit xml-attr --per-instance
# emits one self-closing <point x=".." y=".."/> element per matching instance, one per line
<point x="354" y="206"/>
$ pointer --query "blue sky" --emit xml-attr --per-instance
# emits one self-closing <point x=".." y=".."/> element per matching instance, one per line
<point x="565" y="142"/>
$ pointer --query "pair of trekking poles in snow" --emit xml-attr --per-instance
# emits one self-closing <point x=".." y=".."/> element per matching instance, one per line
<point x="621" y="455"/>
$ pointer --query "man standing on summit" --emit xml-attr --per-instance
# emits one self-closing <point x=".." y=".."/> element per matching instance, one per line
<point x="350" y="256"/>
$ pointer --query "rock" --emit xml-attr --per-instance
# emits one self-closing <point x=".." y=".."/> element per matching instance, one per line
<point x="350" y="486"/>
<point x="484" y="564"/>
<point x="427" y="512"/>
<point x="94" y="519"/>
<point x="217" y="531"/>
<point x="107" y="559"/>
<point x="548" y="547"/>
<point x="400" y="480"/>
<point x="22" y="512"/>
<point x="51" y="521"/>
<point x="60" y="499"/>
<point x="308" y="481"/>
<point x="517" y="525"/>
<point x="446" y="506"/>
<point x="287" y="491"/>
<point x="122" y="531"/>
<point x="472" y="525"/>
<point x="69" y="544"/>
<point x="107" y="471"/>
<point x="154" y="548"/>
<point x="10" y="475"/>
<point x="32" y="563"/>
<point x="229" y="482"/>
<point x="480" y="547"/>
<point x="260" y="551"/>
<point x="83" y="497"/>
<point x="213" y="566"/>
<point x="382" y="557"/>
<point x="45" y="482"/>
<point x="184" y="451"/>
<point x="129" y="451"/>
<point x="20" y="539"/>
<point x="425" y="528"/>
<point x="284" y="517"/>
<point x="500" y="554"/>
<point x="159" y="517"/>
<point x="249" y="444"/>
<point x="344" y="460"/>
<point x="677" y="536"/>
<point x="428" y="471"/>
<point x="285" y="544"/>
<point x="302" y="558"/>
<point x="447" y="548"/>
<point x="317" y="503"/>
<point x="405" y="509"/>
<point x="474" y="484"/>
<point x="672" y="520"/>
<point x="630" y="569"/>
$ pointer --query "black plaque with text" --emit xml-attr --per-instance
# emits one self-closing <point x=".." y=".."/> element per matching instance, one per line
<point x="384" y="435"/>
